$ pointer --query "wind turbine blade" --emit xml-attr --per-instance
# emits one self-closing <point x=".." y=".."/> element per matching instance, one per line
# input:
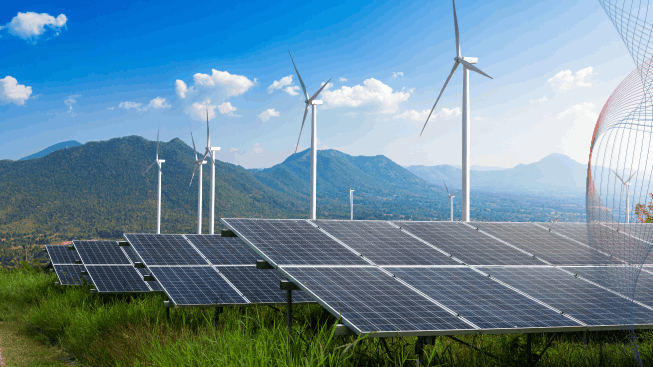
<point x="302" y="128"/>
<point x="194" y="149"/>
<point x="208" y="135"/>
<point x="620" y="179"/>
<point x="630" y="178"/>
<point x="148" y="168"/>
<point x="455" y="23"/>
<point x="445" y="187"/>
<point x="319" y="90"/>
<point x="436" y="101"/>
<point x="298" y="76"/>
<point x="157" y="145"/>
<point x="473" y="68"/>
<point x="193" y="176"/>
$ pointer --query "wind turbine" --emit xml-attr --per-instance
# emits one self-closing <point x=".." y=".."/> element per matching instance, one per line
<point x="198" y="163"/>
<point x="210" y="151"/>
<point x="313" y="103"/>
<point x="451" y="196"/>
<point x="351" y="200"/>
<point x="626" y="184"/>
<point x="467" y="66"/>
<point x="158" y="162"/>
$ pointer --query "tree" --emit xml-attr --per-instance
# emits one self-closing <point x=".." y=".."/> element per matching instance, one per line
<point x="645" y="212"/>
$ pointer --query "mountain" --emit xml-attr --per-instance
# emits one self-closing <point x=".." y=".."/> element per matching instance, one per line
<point x="48" y="150"/>
<point x="554" y="174"/>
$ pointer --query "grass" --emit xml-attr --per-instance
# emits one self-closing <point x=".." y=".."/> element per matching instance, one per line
<point x="125" y="330"/>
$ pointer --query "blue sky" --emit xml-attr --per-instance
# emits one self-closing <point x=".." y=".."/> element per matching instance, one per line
<point x="106" y="70"/>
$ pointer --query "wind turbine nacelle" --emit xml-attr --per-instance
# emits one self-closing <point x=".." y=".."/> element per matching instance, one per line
<point x="471" y="60"/>
<point x="316" y="102"/>
<point x="215" y="148"/>
<point x="161" y="160"/>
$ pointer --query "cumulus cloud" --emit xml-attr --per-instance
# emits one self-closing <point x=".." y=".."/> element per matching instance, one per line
<point x="199" y="109"/>
<point x="372" y="93"/>
<point x="158" y="103"/>
<point x="227" y="109"/>
<point x="285" y="84"/>
<point x="70" y="101"/>
<point x="342" y="80"/>
<point x="12" y="92"/>
<point x="30" y="26"/>
<point x="230" y="84"/>
<point x="267" y="114"/>
<point x="420" y="116"/>
<point x="566" y="80"/>
<point x="181" y="88"/>
<point x="538" y="100"/>
<point x="398" y="74"/>
<point x="131" y="105"/>
<point x="479" y="118"/>
<point x="581" y="110"/>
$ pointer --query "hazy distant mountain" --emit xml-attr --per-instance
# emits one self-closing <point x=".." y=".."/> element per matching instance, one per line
<point x="48" y="150"/>
<point x="555" y="173"/>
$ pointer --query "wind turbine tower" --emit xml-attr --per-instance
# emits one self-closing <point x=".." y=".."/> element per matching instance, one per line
<point x="626" y="184"/>
<point x="451" y="196"/>
<point x="198" y="166"/>
<point x="313" y="103"/>
<point x="351" y="201"/>
<point x="210" y="151"/>
<point x="467" y="66"/>
<point x="158" y="162"/>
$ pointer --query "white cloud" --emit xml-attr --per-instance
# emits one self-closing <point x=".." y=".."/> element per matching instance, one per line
<point x="577" y="123"/>
<point x="255" y="157"/>
<point x="565" y="80"/>
<point x="293" y="90"/>
<point x="581" y="110"/>
<point x="267" y="114"/>
<point x="70" y="101"/>
<point x="199" y="109"/>
<point x="227" y="109"/>
<point x="278" y="84"/>
<point x="111" y="108"/>
<point x="538" y="100"/>
<point x="342" y="80"/>
<point x="398" y="74"/>
<point x="131" y="105"/>
<point x="419" y="117"/>
<point x="372" y="93"/>
<point x="12" y="92"/>
<point x="230" y="84"/>
<point x="479" y="118"/>
<point x="158" y="103"/>
<point x="30" y="26"/>
<point x="181" y="88"/>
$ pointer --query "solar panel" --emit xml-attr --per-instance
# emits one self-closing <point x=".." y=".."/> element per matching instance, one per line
<point x="131" y="254"/>
<point x="292" y="241"/>
<point x="101" y="252"/>
<point x="156" y="287"/>
<point x="164" y="249"/>
<point x="370" y="300"/>
<point x="61" y="254"/>
<point x="467" y="244"/>
<point x="383" y="243"/>
<point x="575" y="297"/>
<point x="189" y="286"/>
<point x="223" y="250"/>
<point x="260" y="285"/>
<point x="603" y="238"/>
<point x="626" y="280"/>
<point x="481" y="300"/>
<point x="71" y="274"/>
<point x="116" y="278"/>
<point x="545" y="245"/>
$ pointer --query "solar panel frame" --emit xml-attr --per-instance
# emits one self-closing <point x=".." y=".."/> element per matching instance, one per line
<point x="101" y="253"/>
<point x="117" y="279"/>
<point x="60" y="254"/>
<point x="259" y="286"/>
<point x="164" y="249"/>
<point x="289" y="236"/>
<point x="383" y="243"/>
<point x="492" y="252"/>
<point x="234" y="251"/>
<point x="71" y="274"/>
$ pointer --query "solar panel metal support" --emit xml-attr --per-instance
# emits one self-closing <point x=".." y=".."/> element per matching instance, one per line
<point x="471" y="346"/>
<point x="93" y="291"/>
<point x="548" y="344"/>
<point x="167" y="304"/>
<point x="139" y="265"/>
<point x="78" y="262"/>
<point x="262" y="264"/>
<point x="227" y="233"/>
<point x="71" y="247"/>
<point x="419" y="351"/>
<point x="288" y="309"/>
<point x="342" y="329"/>
<point x="123" y="243"/>
<point x="216" y="315"/>
<point x="287" y="285"/>
<point x="84" y="272"/>
<point x="148" y="278"/>
<point x="57" y="283"/>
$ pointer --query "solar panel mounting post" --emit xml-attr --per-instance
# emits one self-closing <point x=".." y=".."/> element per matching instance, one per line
<point x="288" y="286"/>
<point x="216" y="315"/>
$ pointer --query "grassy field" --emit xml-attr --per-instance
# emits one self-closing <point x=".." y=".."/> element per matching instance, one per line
<point x="136" y="331"/>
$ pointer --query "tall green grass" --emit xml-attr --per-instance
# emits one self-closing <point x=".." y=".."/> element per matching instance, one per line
<point x="128" y="330"/>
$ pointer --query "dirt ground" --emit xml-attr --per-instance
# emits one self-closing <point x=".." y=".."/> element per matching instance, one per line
<point x="20" y="348"/>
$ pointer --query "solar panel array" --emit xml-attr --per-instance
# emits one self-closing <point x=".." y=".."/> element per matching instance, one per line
<point x="208" y="270"/>
<point x="64" y="262"/>
<point x="431" y="278"/>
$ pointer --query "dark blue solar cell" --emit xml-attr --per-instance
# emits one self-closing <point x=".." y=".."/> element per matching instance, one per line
<point x="370" y="300"/>
<point x="223" y="250"/>
<point x="292" y="241"/>
<point x="480" y="299"/>
<point x="260" y="285"/>
<point x="71" y="274"/>
<point x="195" y="286"/>
<point x="116" y="279"/>
<point x="61" y="254"/>
<point x="467" y="244"/>
<point x="101" y="253"/>
<point x="383" y="243"/>
<point x="164" y="249"/>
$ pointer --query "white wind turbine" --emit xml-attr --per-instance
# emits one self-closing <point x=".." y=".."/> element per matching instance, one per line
<point x="451" y="196"/>
<point x="467" y="66"/>
<point x="626" y="184"/>
<point x="158" y="162"/>
<point x="313" y="103"/>
<point x="351" y="200"/>
<point x="198" y="163"/>
<point x="210" y="151"/>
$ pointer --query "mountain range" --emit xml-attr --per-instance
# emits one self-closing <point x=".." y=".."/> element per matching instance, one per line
<point x="98" y="190"/>
<point x="50" y="149"/>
